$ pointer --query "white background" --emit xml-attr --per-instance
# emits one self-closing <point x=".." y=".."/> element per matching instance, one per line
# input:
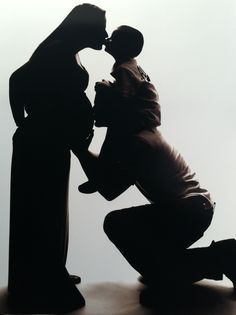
<point x="190" y="55"/>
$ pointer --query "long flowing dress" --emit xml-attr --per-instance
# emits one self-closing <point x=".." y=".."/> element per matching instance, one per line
<point x="50" y="89"/>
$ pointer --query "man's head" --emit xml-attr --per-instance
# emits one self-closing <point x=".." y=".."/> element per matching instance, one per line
<point x="125" y="42"/>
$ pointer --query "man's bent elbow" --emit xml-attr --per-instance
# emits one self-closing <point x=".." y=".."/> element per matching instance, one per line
<point x="108" y="195"/>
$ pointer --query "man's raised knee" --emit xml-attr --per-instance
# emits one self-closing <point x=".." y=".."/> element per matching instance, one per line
<point x="110" y="223"/>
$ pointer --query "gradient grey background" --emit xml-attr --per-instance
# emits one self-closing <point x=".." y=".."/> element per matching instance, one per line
<point x="189" y="53"/>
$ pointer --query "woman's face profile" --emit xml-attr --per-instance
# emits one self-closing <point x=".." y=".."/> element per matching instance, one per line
<point x="96" y="35"/>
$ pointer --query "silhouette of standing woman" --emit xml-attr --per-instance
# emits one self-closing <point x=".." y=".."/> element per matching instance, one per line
<point x="50" y="89"/>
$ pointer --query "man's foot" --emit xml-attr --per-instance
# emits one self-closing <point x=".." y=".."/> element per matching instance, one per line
<point x="224" y="253"/>
<point x="75" y="279"/>
<point x="151" y="297"/>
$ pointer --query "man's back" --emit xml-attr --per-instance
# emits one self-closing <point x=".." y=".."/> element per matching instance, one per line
<point x="157" y="169"/>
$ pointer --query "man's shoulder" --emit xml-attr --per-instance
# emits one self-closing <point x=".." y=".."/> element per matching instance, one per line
<point x="128" y="68"/>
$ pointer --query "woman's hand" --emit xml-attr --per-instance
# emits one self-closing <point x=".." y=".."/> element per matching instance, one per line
<point x="82" y="146"/>
<point x="88" y="140"/>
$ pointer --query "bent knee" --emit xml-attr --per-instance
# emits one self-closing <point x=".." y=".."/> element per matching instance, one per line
<point x="118" y="223"/>
<point x="109" y="223"/>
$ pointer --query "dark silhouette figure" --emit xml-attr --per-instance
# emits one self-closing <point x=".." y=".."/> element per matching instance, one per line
<point x="154" y="238"/>
<point x="50" y="88"/>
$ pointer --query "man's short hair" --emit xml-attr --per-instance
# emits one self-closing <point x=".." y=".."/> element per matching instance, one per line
<point x="131" y="39"/>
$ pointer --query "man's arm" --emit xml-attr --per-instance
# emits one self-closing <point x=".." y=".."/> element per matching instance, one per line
<point x="109" y="180"/>
<point x="89" y="163"/>
<point x="113" y="181"/>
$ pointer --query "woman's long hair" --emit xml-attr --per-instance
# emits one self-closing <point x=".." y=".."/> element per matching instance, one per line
<point x="78" y="22"/>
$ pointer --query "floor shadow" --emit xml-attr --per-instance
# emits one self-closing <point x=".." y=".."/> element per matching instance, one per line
<point x="200" y="299"/>
<point x="123" y="299"/>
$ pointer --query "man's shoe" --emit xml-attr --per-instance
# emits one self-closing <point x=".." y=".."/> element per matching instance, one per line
<point x="224" y="253"/>
<point x="160" y="297"/>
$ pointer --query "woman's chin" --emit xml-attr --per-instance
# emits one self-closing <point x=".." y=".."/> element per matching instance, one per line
<point x="97" y="46"/>
<point x="99" y="123"/>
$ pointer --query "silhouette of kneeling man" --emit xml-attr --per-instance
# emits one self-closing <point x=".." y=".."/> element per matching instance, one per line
<point x="154" y="238"/>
